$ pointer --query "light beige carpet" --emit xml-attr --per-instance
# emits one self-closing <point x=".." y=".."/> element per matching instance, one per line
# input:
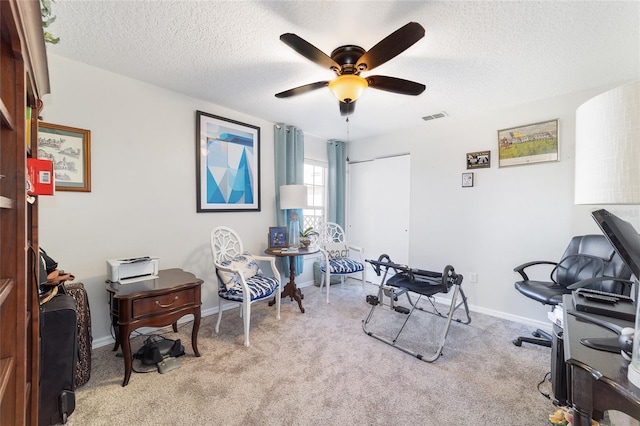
<point x="320" y="368"/>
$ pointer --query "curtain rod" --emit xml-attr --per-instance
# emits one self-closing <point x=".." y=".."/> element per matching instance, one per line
<point x="278" y="126"/>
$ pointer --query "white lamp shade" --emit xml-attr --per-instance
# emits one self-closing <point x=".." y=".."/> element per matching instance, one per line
<point x="293" y="197"/>
<point x="608" y="148"/>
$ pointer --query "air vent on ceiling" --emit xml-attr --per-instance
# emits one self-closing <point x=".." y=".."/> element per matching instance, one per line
<point x="440" y="114"/>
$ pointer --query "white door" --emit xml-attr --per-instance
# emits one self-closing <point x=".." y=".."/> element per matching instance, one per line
<point x="378" y="208"/>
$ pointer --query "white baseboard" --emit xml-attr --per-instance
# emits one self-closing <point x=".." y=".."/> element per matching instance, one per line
<point x="544" y="325"/>
<point x="104" y="341"/>
<point x="305" y="284"/>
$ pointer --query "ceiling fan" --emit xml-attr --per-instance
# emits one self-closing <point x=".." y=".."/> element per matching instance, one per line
<point x="349" y="61"/>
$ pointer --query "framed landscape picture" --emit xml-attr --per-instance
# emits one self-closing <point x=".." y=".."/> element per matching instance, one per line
<point x="227" y="165"/>
<point x="532" y="143"/>
<point x="69" y="149"/>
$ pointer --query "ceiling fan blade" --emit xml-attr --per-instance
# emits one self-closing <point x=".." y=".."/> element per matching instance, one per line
<point x="391" y="46"/>
<point x="308" y="50"/>
<point x="302" y="89"/>
<point x="347" y="108"/>
<point x="395" y="85"/>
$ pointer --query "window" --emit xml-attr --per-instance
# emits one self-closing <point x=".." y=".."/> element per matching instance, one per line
<point x="315" y="177"/>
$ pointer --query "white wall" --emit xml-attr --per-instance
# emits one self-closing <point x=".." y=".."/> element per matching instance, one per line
<point x="142" y="200"/>
<point x="511" y="215"/>
<point x="143" y="191"/>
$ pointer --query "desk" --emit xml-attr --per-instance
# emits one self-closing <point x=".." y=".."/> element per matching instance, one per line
<point x="153" y="303"/>
<point x="596" y="380"/>
<point x="290" y="289"/>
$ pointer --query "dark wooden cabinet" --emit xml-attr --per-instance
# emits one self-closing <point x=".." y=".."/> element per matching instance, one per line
<point x="154" y="302"/>
<point x="24" y="79"/>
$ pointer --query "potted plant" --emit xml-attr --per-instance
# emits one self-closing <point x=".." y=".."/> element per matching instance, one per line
<point x="305" y="236"/>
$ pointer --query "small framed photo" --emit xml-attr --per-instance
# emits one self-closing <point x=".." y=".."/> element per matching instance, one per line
<point x="70" y="151"/>
<point x="467" y="179"/>
<point x="277" y="237"/>
<point x="531" y="143"/>
<point x="479" y="160"/>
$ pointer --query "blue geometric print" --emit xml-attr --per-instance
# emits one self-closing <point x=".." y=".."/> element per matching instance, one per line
<point x="229" y="173"/>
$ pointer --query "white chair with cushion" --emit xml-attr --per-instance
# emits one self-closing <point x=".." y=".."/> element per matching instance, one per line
<point x="342" y="257"/>
<point x="239" y="276"/>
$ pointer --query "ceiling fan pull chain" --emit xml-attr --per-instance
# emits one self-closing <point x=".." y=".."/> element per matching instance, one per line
<point x="347" y="129"/>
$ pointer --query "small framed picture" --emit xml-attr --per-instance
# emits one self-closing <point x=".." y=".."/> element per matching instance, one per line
<point x="467" y="179"/>
<point x="479" y="160"/>
<point x="277" y="237"/>
<point x="69" y="149"/>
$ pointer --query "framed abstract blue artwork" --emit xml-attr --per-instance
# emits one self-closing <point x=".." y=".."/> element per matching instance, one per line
<point x="227" y="164"/>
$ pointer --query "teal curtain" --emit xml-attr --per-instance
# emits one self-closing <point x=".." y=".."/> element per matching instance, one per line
<point x="289" y="169"/>
<point x="336" y="182"/>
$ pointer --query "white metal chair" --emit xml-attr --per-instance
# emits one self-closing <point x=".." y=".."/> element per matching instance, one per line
<point x="342" y="257"/>
<point x="239" y="276"/>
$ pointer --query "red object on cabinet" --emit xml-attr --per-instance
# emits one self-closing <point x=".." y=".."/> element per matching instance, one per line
<point x="41" y="178"/>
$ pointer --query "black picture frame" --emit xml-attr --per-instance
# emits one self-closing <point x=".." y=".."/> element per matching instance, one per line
<point x="478" y="160"/>
<point x="227" y="165"/>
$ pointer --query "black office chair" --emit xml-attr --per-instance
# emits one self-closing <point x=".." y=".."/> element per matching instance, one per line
<point x="588" y="262"/>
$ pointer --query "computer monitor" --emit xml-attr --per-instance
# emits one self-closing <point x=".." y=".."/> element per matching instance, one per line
<point x="622" y="236"/>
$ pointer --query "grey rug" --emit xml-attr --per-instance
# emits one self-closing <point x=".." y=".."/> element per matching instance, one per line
<point x="320" y="368"/>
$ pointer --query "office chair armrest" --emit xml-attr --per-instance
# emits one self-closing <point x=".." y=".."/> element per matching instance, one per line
<point x="520" y="269"/>
<point x="588" y="281"/>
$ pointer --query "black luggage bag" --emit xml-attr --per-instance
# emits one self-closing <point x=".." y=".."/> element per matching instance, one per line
<point x="58" y="356"/>
<point x="85" y="339"/>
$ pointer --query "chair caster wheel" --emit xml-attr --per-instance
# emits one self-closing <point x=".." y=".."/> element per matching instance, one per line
<point x="517" y="342"/>
<point x="536" y="334"/>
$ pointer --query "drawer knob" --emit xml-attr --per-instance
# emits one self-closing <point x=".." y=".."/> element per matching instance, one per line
<point x="175" y="299"/>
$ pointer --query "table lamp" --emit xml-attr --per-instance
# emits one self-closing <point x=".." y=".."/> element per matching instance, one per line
<point x="293" y="197"/>
<point x="608" y="164"/>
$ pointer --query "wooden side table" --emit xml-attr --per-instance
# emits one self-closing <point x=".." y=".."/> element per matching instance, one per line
<point x="153" y="303"/>
<point x="291" y="289"/>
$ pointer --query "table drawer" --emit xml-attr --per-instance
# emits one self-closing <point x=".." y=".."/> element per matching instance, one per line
<point x="161" y="304"/>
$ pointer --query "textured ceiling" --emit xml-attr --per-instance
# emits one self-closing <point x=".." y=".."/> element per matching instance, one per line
<point x="475" y="56"/>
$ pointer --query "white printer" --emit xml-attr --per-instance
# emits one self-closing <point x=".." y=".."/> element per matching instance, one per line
<point x="131" y="270"/>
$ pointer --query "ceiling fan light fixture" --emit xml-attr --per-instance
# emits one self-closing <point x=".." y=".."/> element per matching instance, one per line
<point x="348" y="87"/>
